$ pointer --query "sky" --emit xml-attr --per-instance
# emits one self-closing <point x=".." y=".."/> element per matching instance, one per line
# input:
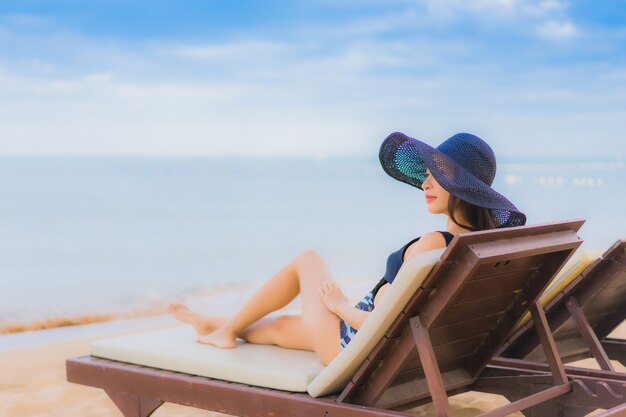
<point x="538" y="79"/>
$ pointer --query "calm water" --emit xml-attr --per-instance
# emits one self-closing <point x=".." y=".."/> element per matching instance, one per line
<point x="100" y="234"/>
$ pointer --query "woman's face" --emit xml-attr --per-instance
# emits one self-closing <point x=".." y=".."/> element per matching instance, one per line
<point x="436" y="197"/>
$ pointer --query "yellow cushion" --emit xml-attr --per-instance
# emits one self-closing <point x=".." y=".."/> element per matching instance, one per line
<point x="569" y="272"/>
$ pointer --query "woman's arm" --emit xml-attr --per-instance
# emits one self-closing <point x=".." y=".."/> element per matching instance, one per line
<point x="352" y="315"/>
<point x="337" y="302"/>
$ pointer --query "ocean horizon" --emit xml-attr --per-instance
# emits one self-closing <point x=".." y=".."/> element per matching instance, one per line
<point x="108" y="234"/>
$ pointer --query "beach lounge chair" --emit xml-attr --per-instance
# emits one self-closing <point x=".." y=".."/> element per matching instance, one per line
<point x="586" y="304"/>
<point x="431" y="336"/>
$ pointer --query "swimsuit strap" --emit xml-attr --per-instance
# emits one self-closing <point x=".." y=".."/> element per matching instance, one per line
<point x="447" y="236"/>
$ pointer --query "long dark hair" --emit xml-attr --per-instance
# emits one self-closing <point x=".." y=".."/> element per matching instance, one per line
<point x="478" y="217"/>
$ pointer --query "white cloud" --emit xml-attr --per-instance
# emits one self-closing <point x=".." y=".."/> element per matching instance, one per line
<point x="99" y="77"/>
<point x="557" y="30"/>
<point x="368" y="26"/>
<point x="229" y="50"/>
<point x="337" y="94"/>
<point x="516" y="8"/>
<point x="25" y="20"/>
<point x="546" y="18"/>
<point x="541" y="8"/>
<point x="105" y="113"/>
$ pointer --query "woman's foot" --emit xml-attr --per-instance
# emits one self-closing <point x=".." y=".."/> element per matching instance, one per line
<point x="203" y="325"/>
<point x="220" y="338"/>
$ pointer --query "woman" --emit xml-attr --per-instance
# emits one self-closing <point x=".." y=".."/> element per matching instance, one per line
<point x="456" y="179"/>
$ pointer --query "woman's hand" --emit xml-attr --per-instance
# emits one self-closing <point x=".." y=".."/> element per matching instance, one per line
<point x="332" y="296"/>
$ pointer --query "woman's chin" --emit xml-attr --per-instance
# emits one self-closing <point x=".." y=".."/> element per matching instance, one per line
<point x="434" y="210"/>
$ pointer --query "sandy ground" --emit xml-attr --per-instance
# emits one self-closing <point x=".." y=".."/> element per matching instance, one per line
<point x="32" y="383"/>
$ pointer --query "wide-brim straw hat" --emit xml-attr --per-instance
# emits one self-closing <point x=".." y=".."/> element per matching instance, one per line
<point x="464" y="165"/>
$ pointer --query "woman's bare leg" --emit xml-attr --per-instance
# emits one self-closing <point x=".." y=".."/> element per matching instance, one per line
<point x="201" y="323"/>
<point x="285" y="331"/>
<point x="320" y="322"/>
<point x="304" y="274"/>
<point x="274" y="294"/>
<point x="265" y="331"/>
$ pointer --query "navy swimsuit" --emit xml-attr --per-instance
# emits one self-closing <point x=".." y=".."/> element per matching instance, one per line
<point x="394" y="262"/>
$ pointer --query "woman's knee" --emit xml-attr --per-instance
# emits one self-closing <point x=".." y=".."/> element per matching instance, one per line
<point x="287" y="332"/>
<point x="281" y="325"/>
<point x="328" y="352"/>
<point x="307" y="257"/>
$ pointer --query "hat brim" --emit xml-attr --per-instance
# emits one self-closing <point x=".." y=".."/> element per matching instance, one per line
<point x="406" y="159"/>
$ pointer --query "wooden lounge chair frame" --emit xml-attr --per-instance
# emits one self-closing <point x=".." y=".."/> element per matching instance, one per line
<point x="581" y="317"/>
<point x="439" y="345"/>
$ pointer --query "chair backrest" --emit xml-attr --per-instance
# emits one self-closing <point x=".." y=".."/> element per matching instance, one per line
<point x="466" y="309"/>
<point x="599" y="290"/>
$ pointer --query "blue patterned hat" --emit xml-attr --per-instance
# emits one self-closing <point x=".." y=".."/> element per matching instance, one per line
<point x="464" y="165"/>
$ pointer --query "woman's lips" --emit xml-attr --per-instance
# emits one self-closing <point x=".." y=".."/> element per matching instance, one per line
<point x="430" y="198"/>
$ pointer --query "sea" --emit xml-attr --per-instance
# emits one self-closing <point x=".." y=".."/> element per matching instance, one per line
<point x="90" y="235"/>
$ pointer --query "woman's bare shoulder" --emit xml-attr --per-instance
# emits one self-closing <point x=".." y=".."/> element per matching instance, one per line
<point x="428" y="241"/>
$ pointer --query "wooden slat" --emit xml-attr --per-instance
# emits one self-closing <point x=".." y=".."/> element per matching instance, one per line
<point x="563" y="243"/>
<point x="459" y="348"/>
<point x="618" y="284"/>
<point x="596" y="314"/>
<point x="490" y="306"/>
<point x="499" y="284"/>
<point x="606" y="298"/>
<point x="462" y="329"/>
<point x="536" y="285"/>
<point x="506" y="267"/>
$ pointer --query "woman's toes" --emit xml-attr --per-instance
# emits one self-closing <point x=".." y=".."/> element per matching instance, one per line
<point x="176" y="308"/>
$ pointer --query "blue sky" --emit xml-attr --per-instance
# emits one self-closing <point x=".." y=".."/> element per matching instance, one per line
<point x="536" y="78"/>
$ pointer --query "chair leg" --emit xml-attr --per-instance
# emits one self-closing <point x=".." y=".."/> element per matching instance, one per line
<point x="133" y="405"/>
<point x="586" y="331"/>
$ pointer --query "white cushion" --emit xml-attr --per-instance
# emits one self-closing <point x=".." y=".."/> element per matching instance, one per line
<point x="176" y="349"/>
